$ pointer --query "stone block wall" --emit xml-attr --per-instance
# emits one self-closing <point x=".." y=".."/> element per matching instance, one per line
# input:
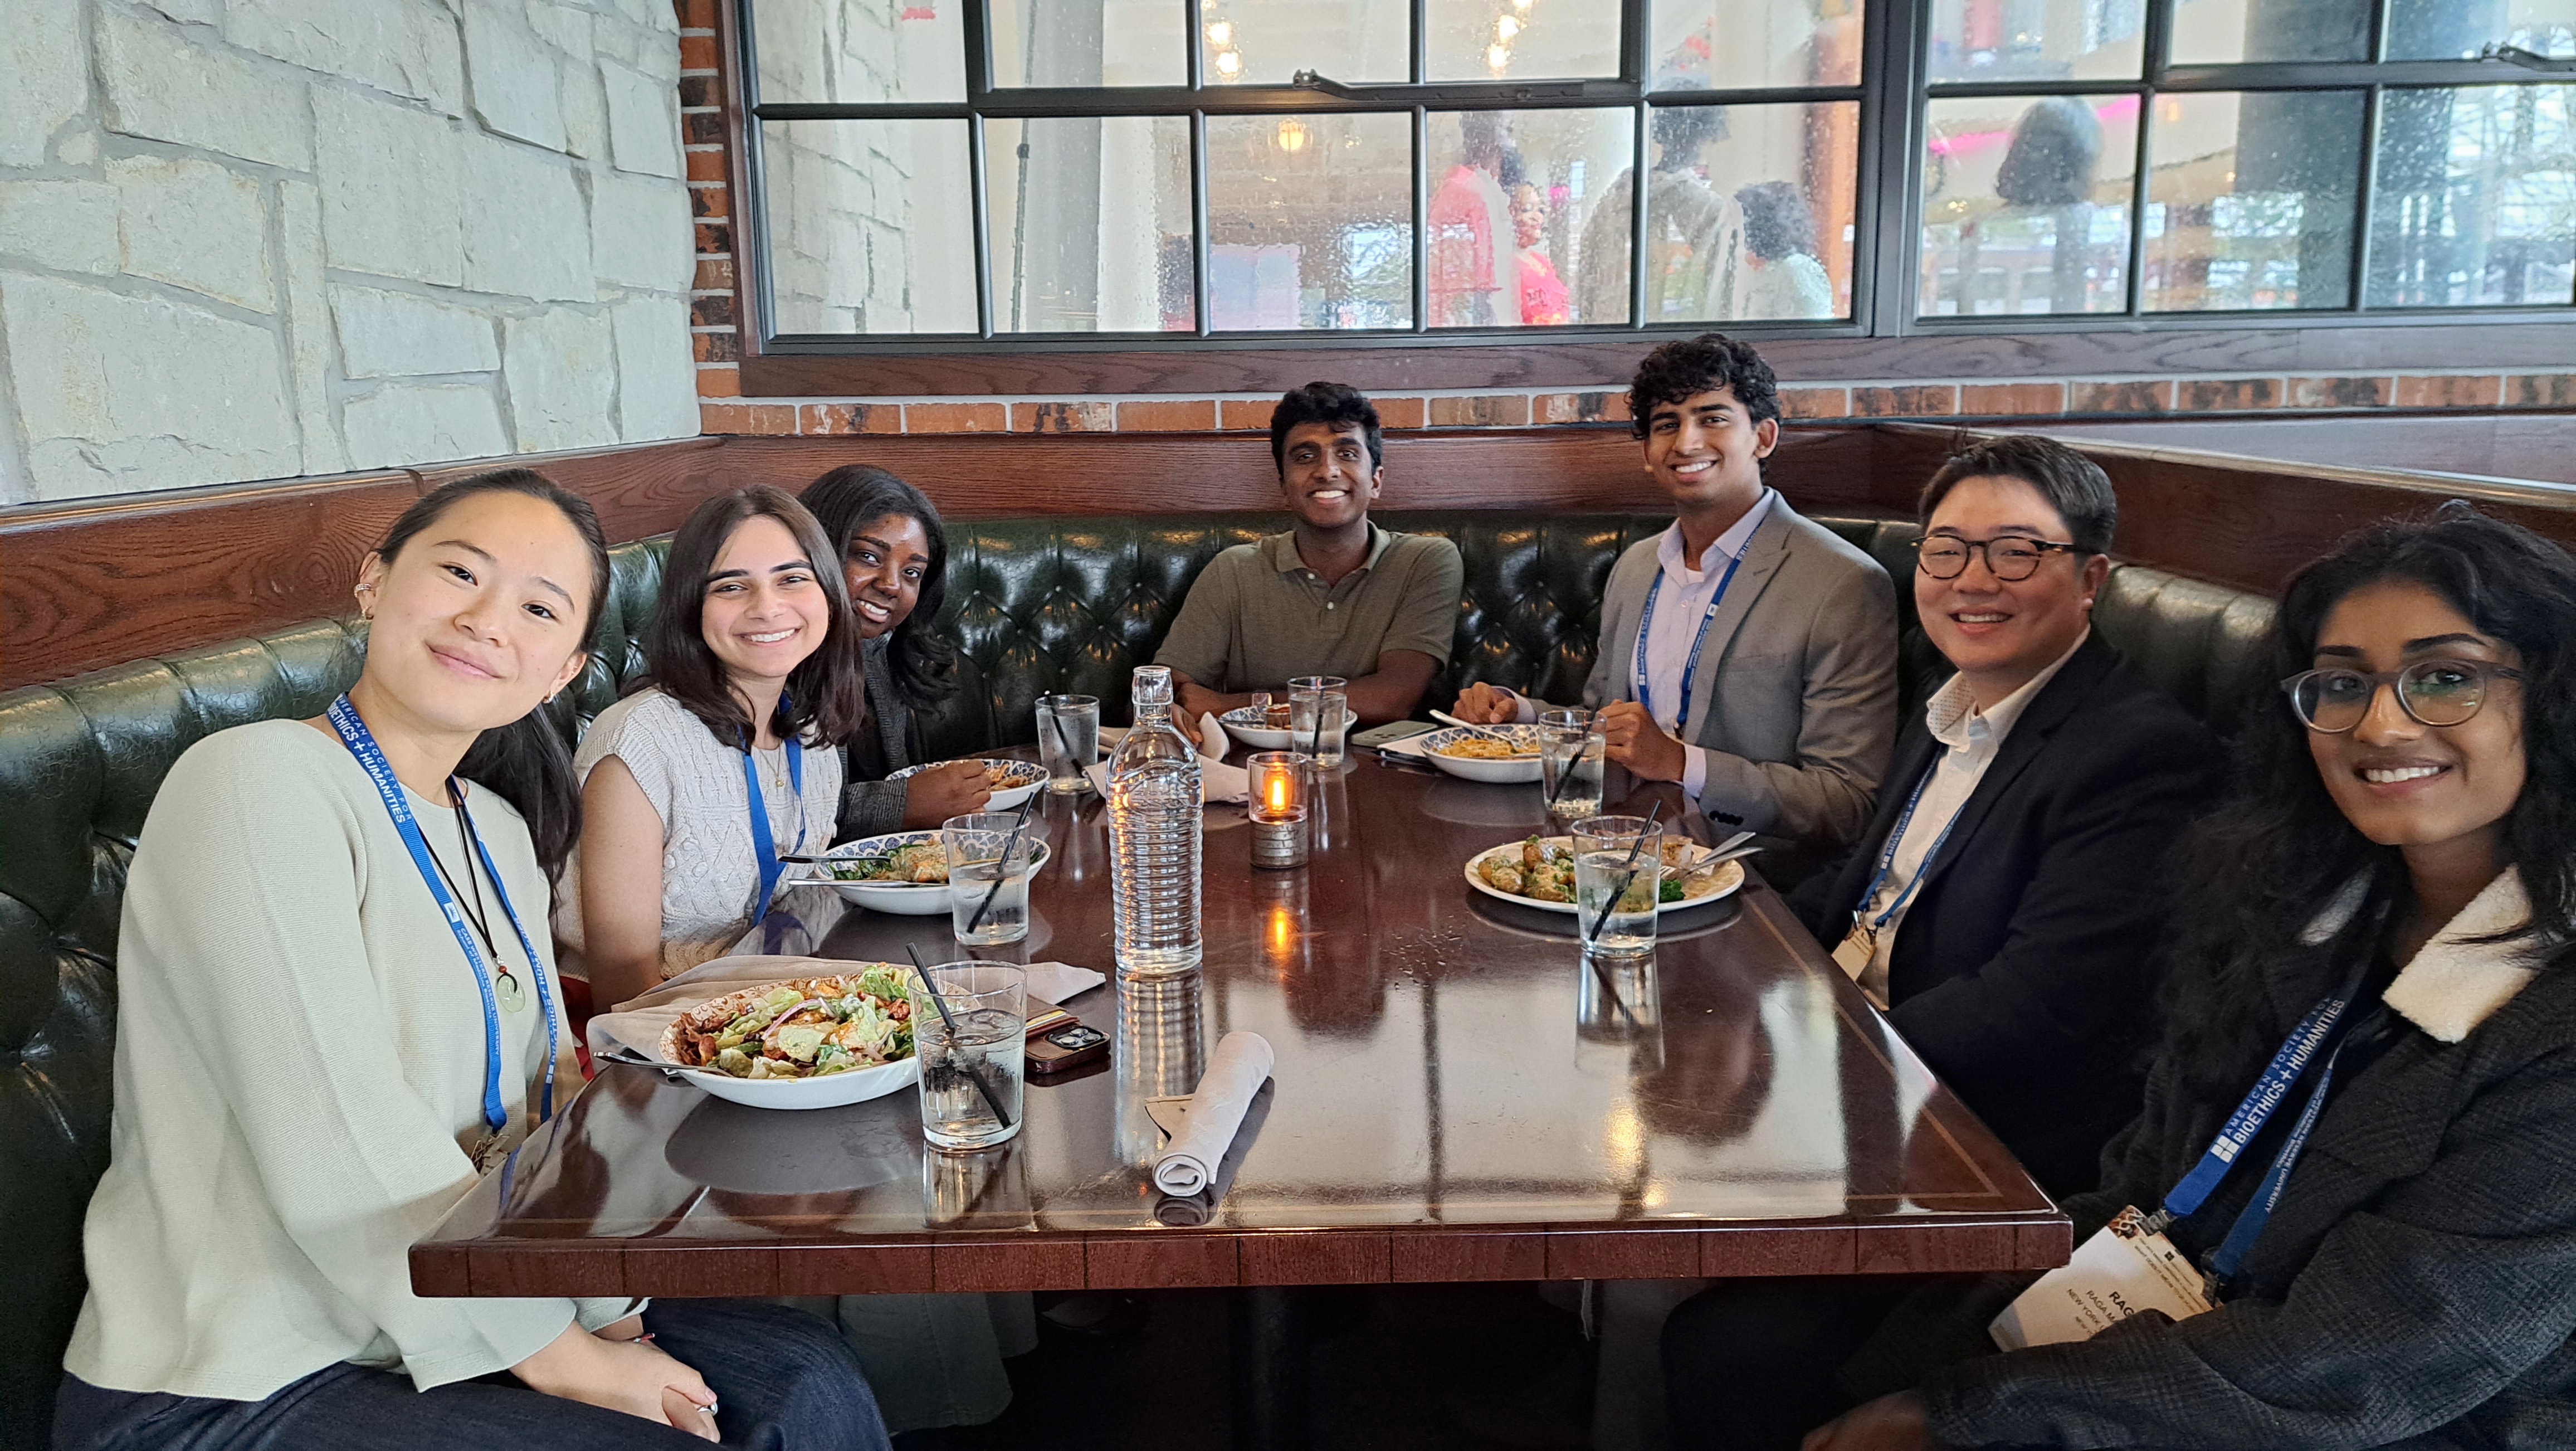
<point x="254" y="239"/>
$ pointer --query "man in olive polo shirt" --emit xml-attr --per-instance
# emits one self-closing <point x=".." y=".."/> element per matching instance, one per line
<point x="1336" y="595"/>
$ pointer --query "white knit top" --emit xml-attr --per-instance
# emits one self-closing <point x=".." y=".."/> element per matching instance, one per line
<point x="709" y="875"/>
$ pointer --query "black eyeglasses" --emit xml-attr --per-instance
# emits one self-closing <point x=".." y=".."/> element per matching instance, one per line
<point x="2010" y="559"/>
<point x="2432" y="692"/>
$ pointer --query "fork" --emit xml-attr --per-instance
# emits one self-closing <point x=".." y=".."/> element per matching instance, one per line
<point x="1486" y="731"/>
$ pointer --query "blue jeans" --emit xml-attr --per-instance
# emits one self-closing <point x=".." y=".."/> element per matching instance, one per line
<point x="782" y="1379"/>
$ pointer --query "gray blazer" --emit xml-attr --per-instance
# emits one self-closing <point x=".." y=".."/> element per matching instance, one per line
<point x="1795" y="699"/>
<point x="869" y="808"/>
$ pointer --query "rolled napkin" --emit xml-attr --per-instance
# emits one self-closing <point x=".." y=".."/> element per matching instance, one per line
<point x="1217" y="780"/>
<point x="1234" y="1074"/>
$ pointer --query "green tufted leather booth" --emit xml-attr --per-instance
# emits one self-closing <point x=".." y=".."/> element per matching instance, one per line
<point x="1039" y="604"/>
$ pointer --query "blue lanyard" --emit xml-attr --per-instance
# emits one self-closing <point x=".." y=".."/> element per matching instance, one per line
<point x="1690" y="670"/>
<point x="1887" y="856"/>
<point x="371" y="758"/>
<point x="2268" y="1094"/>
<point x="764" y="847"/>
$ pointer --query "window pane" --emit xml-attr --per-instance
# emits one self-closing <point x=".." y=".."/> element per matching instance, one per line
<point x="2013" y="40"/>
<point x="2475" y="198"/>
<point x="869" y="227"/>
<point x="1090" y="223"/>
<point x="1087" y="43"/>
<point x="859" y="51"/>
<point x="1722" y="45"/>
<point x="2250" y="202"/>
<point x="1522" y="40"/>
<point x="2026" y="204"/>
<point x="1310" y="221"/>
<point x="1523" y="231"/>
<point x="1748" y="211"/>
<point x="2458" y="29"/>
<point x="2234" y="32"/>
<point x="1266" y="42"/>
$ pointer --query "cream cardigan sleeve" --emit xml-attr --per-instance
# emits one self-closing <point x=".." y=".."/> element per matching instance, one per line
<point x="300" y="1055"/>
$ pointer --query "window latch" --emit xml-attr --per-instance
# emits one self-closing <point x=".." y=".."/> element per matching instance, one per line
<point x="1541" y="90"/>
<point x="2530" y="60"/>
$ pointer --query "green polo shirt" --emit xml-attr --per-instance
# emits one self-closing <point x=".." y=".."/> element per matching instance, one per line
<point x="1257" y="616"/>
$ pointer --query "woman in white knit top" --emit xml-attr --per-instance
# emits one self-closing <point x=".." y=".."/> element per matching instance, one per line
<point x="728" y="758"/>
<point x="313" y="1065"/>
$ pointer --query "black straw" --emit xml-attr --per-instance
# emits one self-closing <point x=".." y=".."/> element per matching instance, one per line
<point x="999" y="1114"/>
<point x="1627" y="881"/>
<point x="1002" y="873"/>
<point x="1063" y="744"/>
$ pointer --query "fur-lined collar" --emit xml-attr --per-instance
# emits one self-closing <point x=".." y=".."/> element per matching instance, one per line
<point x="2454" y="983"/>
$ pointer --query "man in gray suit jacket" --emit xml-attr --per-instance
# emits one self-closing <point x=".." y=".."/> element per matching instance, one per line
<point x="1746" y="653"/>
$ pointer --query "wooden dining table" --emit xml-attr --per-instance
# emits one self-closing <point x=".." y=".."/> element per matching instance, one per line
<point x="1458" y="1096"/>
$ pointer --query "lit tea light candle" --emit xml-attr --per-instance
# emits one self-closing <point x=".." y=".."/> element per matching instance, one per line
<point x="1278" y="809"/>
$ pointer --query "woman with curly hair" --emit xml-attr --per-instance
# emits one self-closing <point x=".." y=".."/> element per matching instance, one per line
<point x="894" y="558"/>
<point x="2360" y="1125"/>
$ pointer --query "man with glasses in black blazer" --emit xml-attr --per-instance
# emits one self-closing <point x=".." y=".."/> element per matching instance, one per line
<point x="2003" y="905"/>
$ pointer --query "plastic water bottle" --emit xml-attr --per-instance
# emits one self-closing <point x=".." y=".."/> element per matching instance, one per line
<point x="1154" y="838"/>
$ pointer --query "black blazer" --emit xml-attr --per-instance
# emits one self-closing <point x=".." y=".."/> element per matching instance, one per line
<point x="2021" y="971"/>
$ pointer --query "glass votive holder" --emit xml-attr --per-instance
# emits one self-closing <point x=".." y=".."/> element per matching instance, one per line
<point x="1277" y="806"/>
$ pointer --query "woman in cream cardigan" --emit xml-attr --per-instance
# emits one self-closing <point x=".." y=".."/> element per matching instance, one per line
<point x="337" y="1008"/>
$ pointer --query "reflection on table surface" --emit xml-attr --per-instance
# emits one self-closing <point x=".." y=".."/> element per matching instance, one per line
<point x="1444" y="1059"/>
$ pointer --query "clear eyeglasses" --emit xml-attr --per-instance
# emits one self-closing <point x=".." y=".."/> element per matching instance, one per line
<point x="2433" y="692"/>
<point x="2010" y="559"/>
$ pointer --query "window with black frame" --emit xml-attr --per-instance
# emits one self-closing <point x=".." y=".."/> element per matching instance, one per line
<point x="1154" y="168"/>
<point x="2197" y="156"/>
<point x="946" y="171"/>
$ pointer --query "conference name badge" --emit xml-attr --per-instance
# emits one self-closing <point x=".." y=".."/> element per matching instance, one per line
<point x="2125" y="1269"/>
<point x="1853" y="953"/>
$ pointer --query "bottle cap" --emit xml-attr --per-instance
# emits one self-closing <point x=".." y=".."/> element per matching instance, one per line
<point x="1153" y="685"/>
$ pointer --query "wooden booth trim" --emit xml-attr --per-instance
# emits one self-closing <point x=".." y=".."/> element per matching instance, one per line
<point x="93" y="584"/>
<point x="1398" y="364"/>
<point x="97" y="583"/>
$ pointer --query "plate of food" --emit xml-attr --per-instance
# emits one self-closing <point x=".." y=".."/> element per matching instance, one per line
<point x="1268" y="730"/>
<point x="1504" y="753"/>
<point x="1011" y="782"/>
<point x="1539" y="872"/>
<point x="904" y="872"/>
<point x="804" y="1042"/>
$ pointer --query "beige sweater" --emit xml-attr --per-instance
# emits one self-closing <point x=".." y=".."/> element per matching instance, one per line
<point x="299" y="1082"/>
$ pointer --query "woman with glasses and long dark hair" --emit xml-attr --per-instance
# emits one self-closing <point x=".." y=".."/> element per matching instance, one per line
<point x="336" y="1010"/>
<point x="2359" y="1131"/>
<point x="894" y="560"/>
